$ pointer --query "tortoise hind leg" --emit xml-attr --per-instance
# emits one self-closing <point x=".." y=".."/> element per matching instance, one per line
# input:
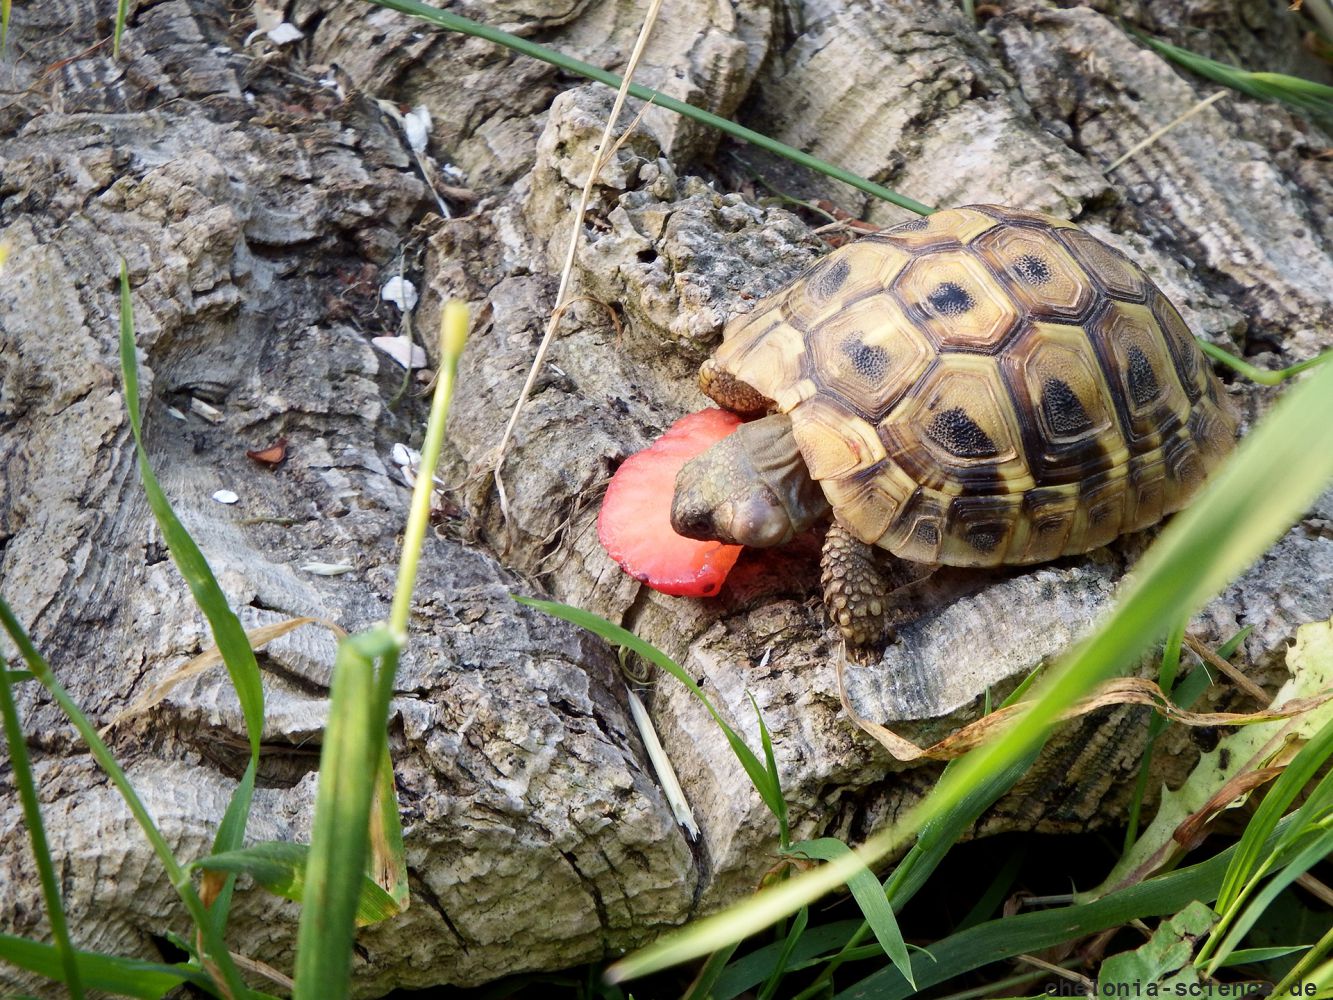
<point x="856" y="590"/>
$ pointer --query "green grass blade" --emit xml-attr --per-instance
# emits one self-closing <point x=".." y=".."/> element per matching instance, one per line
<point x="1166" y="680"/>
<point x="1311" y="981"/>
<point x="869" y="895"/>
<point x="815" y="944"/>
<point x="232" y="643"/>
<point x="1250" y="850"/>
<point x="1316" y="98"/>
<point x="939" y="835"/>
<point x="1025" y="933"/>
<point x="1228" y="648"/>
<point x="1274" y="476"/>
<point x="228" y="633"/>
<point x="230" y="836"/>
<point x="612" y="633"/>
<point x="1317" y="848"/>
<point x="454" y="22"/>
<point x="387" y="855"/>
<point x="122" y="14"/>
<point x="453" y="338"/>
<point x="21" y="766"/>
<point x="354" y="741"/>
<point x="771" y="766"/>
<point x="996" y="892"/>
<point x="1262" y="376"/>
<point x="280" y="868"/>
<point x="120" y="976"/>
<point x="1253" y="956"/>
<point x="215" y="949"/>
<point x="783" y="960"/>
<point x="935" y="841"/>
<point x="338" y="840"/>
<point x="705" y="983"/>
<point x="4" y="34"/>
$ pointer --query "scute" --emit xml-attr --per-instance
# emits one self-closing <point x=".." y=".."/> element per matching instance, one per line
<point x="1106" y="266"/>
<point x="953" y="227"/>
<point x="1141" y="374"/>
<point x="766" y="352"/>
<point x="868" y="355"/>
<point x="986" y="386"/>
<point x="1055" y="379"/>
<point x="954" y="297"/>
<point x="957" y="430"/>
<point x="843" y="278"/>
<point x="1038" y="271"/>
<point x="833" y="441"/>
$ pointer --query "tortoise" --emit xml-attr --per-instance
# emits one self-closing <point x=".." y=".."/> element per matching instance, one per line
<point x="980" y="387"/>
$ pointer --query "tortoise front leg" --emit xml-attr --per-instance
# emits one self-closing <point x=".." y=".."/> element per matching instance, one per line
<point x="856" y="590"/>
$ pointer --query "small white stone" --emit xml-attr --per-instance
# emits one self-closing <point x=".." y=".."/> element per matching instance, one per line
<point x="403" y="455"/>
<point x="327" y="569"/>
<point x="284" y="33"/>
<point x="402" y="350"/>
<point x="416" y="123"/>
<point x="225" y="496"/>
<point x="400" y="292"/>
<point x="210" y="413"/>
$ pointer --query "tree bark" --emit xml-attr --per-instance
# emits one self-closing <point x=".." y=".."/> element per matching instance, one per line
<point x="260" y="197"/>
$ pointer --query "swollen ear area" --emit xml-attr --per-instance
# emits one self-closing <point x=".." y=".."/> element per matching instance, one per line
<point x="751" y="488"/>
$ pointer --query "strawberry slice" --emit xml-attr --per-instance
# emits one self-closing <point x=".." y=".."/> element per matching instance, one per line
<point x="635" y="523"/>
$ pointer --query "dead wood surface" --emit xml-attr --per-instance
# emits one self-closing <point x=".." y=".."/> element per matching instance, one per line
<point x="260" y="198"/>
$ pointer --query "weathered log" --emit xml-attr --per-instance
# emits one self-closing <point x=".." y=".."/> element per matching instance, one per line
<point x="260" y="198"/>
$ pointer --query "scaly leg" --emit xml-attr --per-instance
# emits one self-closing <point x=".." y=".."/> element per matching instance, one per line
<point x="856" y="590"/>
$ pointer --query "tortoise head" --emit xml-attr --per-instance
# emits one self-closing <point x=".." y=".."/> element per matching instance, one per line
<point x="751" y="488"/>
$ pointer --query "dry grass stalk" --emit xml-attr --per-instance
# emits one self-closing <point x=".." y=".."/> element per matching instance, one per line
<point x="576" y="233"/>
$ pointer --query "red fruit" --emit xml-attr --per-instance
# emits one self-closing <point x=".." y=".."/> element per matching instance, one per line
<point x="635" y="523"/>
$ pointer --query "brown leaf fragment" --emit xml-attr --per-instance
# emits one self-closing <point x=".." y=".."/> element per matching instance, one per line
<point x="271" y="456"/>
<point x="1191" y="832"/>
<point x="1119" y="691"/>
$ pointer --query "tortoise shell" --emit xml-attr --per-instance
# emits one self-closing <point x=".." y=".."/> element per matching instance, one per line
<point x="985" y="386"/>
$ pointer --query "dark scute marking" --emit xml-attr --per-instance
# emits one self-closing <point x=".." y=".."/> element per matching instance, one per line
<point x="950" y="299"/>
<point x="1102" y="512"/>
<point x="831" y="279"/>
<point x="1064" y="410"/>
<point x="957" y="433"/>
<point x="984" y="537"/>
<point x="1143" y="385"/>
<point x="1049" y="525"/>
<point x="1033" y="269"/>
<point x="870" y="363"/>
<point x="926" y="532"/>
<point x="869" y="473"/>
<point x="915" y="226"/>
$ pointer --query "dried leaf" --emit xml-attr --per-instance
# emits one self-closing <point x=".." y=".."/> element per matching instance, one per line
<point x="271" y="456"/>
